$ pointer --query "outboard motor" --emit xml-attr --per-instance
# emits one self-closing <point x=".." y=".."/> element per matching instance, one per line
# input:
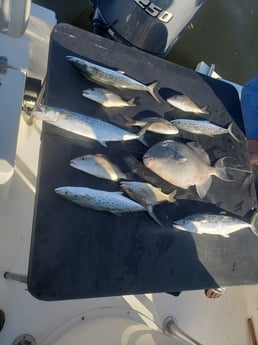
<point x="150" y="25"/>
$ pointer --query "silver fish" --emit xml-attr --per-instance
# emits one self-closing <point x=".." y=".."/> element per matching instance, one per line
<point x="184" y="165"/>
<point x="84" y="125"/>
<point x="155" y="125"/>
<point x="184" y="103"/>
<point x="214" y="224"/>
<point x="98" y="165"/>
<point x="145" y="193"/>
<point x="203" y="127"/>
<point x="108" y="76"/>
<point x="107" y="98"/>
<point x="100" y="200"/>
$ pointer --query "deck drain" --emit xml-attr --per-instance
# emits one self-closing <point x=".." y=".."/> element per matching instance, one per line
<point x="25" y="339"/>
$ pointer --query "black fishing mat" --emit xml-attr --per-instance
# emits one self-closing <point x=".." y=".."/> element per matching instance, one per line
<point x="79" y="252"/>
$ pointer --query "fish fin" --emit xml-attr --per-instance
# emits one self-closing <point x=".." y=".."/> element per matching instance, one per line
<point x="131" y="102"/>
<point x="202" y="188"/>
<point x="230" y="132"/>
<point x="226" y="235"/>
<point x="253" y="225"/>
<point x="149" y="210"/>
<point x="103" y="143"/>
<point x="129" y="176"/>
<point x="179" y="227"/>
<point x="179" y="158"/>
<point x="221" y="171"/>
<point x="204" y="110"/>
<point x="128" y="120"/>
<point x="196" y="147"/>
<point x="144" y="129"/>
<point x="171" y="196"/>
<point x="115" y="213"/>
<point x="151" y="91"/>
<point x="142" y="140"/>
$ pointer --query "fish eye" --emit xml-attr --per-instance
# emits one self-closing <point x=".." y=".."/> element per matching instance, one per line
<point x="165" y="143"/>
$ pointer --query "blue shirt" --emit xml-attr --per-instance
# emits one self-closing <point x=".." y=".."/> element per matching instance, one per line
<point x="249" y="105"/>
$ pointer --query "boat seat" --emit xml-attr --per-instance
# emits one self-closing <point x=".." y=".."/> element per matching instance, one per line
<point x="14" y="16"/>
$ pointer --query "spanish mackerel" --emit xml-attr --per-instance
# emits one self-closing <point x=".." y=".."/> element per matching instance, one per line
<point x="81" y="124"/>
<point x="214" y="224"/>
<point x="108" y="76"/>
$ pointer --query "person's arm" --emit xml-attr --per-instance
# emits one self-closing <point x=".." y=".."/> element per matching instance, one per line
<point x="249" y="104"/>
<point x="253" y="150"/>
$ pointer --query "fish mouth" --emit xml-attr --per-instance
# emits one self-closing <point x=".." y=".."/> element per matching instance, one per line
<point x="60" y="190"/>
<point x="71" y="58"/>
<point x="74" y="163"/>
<point x="147" y="159"/>
<point x="38" y="110"/>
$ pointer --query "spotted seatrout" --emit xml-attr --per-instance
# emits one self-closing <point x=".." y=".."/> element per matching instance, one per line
<point x="108" y="76"/>
<point x="214" y="224"/>
<point x="100" y="200"/>
<point x="203" y="127"/>
<point x="84" y="125"/>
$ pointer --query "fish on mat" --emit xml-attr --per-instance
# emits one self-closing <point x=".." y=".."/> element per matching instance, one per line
<point x="153" y="124"/>
<point x="203" y="127"/>
<point x="84" y="125"/>
<point x="98" y="165"/>
<point x="184" y="103"/>
<point x="146" y="194"/>
<point x="108" y="76"/>
<point x="107" y="98"/>
<point x="184" y="165"/>
<point x="214" y="224"/>
<point x="114" y="202"/>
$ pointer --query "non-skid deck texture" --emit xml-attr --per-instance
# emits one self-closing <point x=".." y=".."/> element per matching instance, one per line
<point x="78" y="252"/>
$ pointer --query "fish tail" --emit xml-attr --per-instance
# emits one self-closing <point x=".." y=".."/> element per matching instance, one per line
<point x="128" y="120"/>
<point x="131" y="102"/>
<point x="171" y="196"/>
<point x="221" y="170"/>
<point x="141" y="138"/>
<point x="153" y="216"/>
<point x="231" y="132"/>
<point x="205" y="110"/>
<point x="151" y="91"/>
<point x="129" y="176"/>
<point x="253" y="225"/>
<point x="144" y="129"/>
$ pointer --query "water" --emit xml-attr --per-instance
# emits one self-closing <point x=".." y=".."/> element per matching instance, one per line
<point x="223" y="33"/>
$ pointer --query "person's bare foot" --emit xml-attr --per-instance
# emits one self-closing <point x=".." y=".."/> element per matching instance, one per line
<point x="214" y="293"/>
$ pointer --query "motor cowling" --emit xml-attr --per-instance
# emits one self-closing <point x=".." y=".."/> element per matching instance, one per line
<point x="151" y="25"/>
